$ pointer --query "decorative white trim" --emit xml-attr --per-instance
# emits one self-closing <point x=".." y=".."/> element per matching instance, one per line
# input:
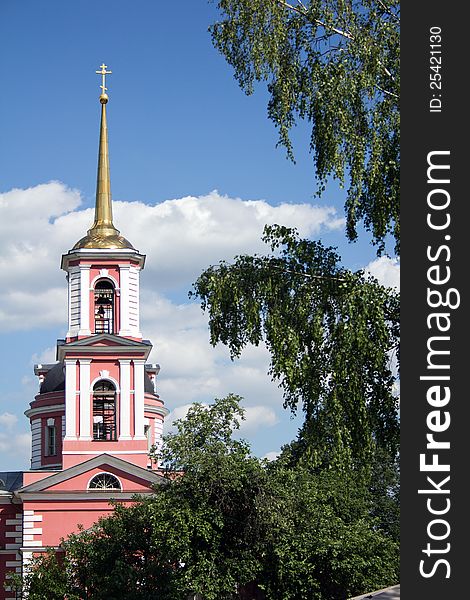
<point x="84" y="300"/>
<point x="124" y="276"/>
<point x="104" y="473"/>
<point x="32" y="543"/>
<point x="125" y="400"/>
<point x="30" y="531"/>
<point x="32" y="412"/>
<point x="31" y="519"/>
<point x="110" y="495"/>
<point x="70" y="398"/>
<point x="92" y="452"/>
<point x="111" y="379"/>
<point x="139" y="374"/>
<point x="35" y="443"/>
<point x="133" y="318"/>
<point x="157" y="410"/>
<point x="104" y="274"/>
<point x="73" y="278"/>
<point x="85" y="409"/>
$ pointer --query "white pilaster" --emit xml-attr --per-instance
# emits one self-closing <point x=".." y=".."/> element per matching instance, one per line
<point x="139" y="399"/>
<point x="134" y="319"/>
<point x="125" y="400"/>
<point x="124" y="286"/>
<point x="73" y="278"/>
<point x="36" y="445"/>
<point x="69" y="301"/>
<point x="85" y="410"/>
<point x="70" y="399"/>
<point x="158" y="433"/>
<point x="84" y="300"/>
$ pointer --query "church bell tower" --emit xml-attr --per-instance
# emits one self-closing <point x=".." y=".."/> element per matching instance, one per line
<point x="100" y="397"/>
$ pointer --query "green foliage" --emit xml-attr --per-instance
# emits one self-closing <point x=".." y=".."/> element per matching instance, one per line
<point x="46" y="578"/>
<point x="330" y="334"/>
<point x="322" y="543"/>
<point x="334" y="64"/>
<point x="215" y="503"/>
<point x="230" y="527"/>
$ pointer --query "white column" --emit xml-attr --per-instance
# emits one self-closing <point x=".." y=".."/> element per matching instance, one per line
<point x="73" y="277"/>
<point x="134" y="319"/>
<point x="124" y="287"/>
<point x="139" y="399"/>
<point x="36" y="449"/>
<point x="70" y="399"/>
<point x="85" y="401"/>
<point x="69" y="302"/>
<point x="125" y="400"/>
<point x="84" y="300"/>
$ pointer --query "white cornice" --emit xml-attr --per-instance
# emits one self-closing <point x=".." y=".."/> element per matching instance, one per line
<point x="157" y="410"/>
<point x="99" y="253"/>
<point x="89" y="495"/>
<point x="40" y="410"/>
<point x="88" y="345"/>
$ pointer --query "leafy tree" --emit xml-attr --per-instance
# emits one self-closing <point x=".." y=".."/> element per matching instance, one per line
<point x="230" y="527"/>
<point x="45" y="578"/>
<point x="321" y="541"/>
<point x="215" y="501"/>
<point x="335" y="64"/>
<point x="330" y="334"/>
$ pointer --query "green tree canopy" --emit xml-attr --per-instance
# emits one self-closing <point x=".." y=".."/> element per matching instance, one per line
<point x="335" y="64"/>
<point x="231" y="527"/>
<point x="330" y="333"/>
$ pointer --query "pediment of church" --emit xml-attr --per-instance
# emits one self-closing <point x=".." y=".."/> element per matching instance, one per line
<point x="103" y="474"/>
<point x="104" y="343"/>
<point x="106" y="339"/>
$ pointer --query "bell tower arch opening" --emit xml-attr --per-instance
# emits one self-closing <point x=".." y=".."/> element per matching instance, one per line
<point x="104" y="411"/>
<point x="104" y="306"/>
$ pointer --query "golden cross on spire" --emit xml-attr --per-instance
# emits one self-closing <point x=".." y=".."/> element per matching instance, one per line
<point x="103" y="73"/>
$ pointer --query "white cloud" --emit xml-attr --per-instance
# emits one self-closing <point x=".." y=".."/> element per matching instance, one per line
<point x="177" y="413"/>
<point x="17" y="447"/>
<point x="271" y="455"/>
<point x="386" y="270"/>
<point x="22" y="310"/>
<point x="47" y="356"/>
<point x="31" y="242"/>
<point x="180" y="237"/>
<point x="183" y="236"/>
<point x="257" y="417"/>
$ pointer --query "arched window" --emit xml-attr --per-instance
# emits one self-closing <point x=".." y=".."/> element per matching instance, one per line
<point x="104" y="307"/>
<point x="104" y="481"/>
<point x="104" y="411"/>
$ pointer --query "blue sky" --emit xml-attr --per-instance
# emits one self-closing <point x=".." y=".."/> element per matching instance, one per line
<point x="195" y="175"/>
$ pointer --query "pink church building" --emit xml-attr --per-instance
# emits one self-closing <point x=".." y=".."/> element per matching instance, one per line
<point x="97" y="412"/>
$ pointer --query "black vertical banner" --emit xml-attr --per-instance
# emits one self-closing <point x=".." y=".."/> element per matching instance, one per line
<point x="435" y="213"/>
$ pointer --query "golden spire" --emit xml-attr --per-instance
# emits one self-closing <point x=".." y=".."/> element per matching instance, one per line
<point x="103" y="234"/>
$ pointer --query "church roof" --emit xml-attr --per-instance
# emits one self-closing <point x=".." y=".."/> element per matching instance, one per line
<point x="54" y="381"/>
<point x="10" y="481"/>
